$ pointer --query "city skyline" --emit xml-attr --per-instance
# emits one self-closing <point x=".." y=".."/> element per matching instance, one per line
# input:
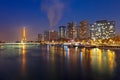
<point x="16" y="14"/>
<point x="99" y="30"/>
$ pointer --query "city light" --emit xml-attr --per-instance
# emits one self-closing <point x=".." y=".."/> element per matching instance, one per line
<point x="59" y="40"/>
<point x="23" y="35"/>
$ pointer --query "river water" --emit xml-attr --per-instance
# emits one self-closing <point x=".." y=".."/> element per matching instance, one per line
<point x="58" y="63"/>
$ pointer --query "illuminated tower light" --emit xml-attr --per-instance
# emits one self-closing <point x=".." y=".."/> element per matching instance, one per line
<point x="24" y="35"/>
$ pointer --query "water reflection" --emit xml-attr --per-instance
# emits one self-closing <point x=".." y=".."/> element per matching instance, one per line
<point x="61" y="63"/>
<point x="51" y="50"/>
<point x="67" y="51"/>
<point x="23" y="53"/>
<point x="99" y="61"/>
<point x="102" y="60"/>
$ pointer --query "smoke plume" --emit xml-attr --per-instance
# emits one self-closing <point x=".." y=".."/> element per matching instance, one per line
<point x="54" y="10"/>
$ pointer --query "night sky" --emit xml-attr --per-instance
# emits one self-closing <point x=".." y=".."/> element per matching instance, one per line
<point x="40" y="15"/>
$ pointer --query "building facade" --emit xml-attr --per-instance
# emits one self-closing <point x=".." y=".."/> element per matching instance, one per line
<point x="46" y="35"/>
<point x="40" y="37"/>
<point x="62" y="32"/>
<point x="53" y="35"/>
<point x="83" y="30"/>
<point x="71" y="30"/>
<point x="102" y="30"/>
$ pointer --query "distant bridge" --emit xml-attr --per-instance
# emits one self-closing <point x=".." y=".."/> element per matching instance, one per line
<point x="19" y="43"/>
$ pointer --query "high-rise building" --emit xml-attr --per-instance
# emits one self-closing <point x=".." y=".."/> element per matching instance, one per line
<point x="62" y="32"/>
<point x="83" y="30"/>
<point x="102" y="30"/>
<point x="46" y="35"/>
<point x="71" y="30"/>
<point x="40" y="37"/>
<point x="53" y="35"/>
<point x="78" y="32"/>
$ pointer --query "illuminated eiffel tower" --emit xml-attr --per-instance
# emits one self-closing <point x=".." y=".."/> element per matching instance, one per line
<point x="23" y="35"/>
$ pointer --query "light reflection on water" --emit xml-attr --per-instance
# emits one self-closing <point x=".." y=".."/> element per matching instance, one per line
<point x="23" y="59"/>
<point x="50" y="62"/>
<point x="100" y="61"/>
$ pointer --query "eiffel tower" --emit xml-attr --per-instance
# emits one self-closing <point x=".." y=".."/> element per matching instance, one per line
<point x="24" y="35"/>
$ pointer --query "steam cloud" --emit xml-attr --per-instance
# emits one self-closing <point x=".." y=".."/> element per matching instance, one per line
<point x="54" y="10"/>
